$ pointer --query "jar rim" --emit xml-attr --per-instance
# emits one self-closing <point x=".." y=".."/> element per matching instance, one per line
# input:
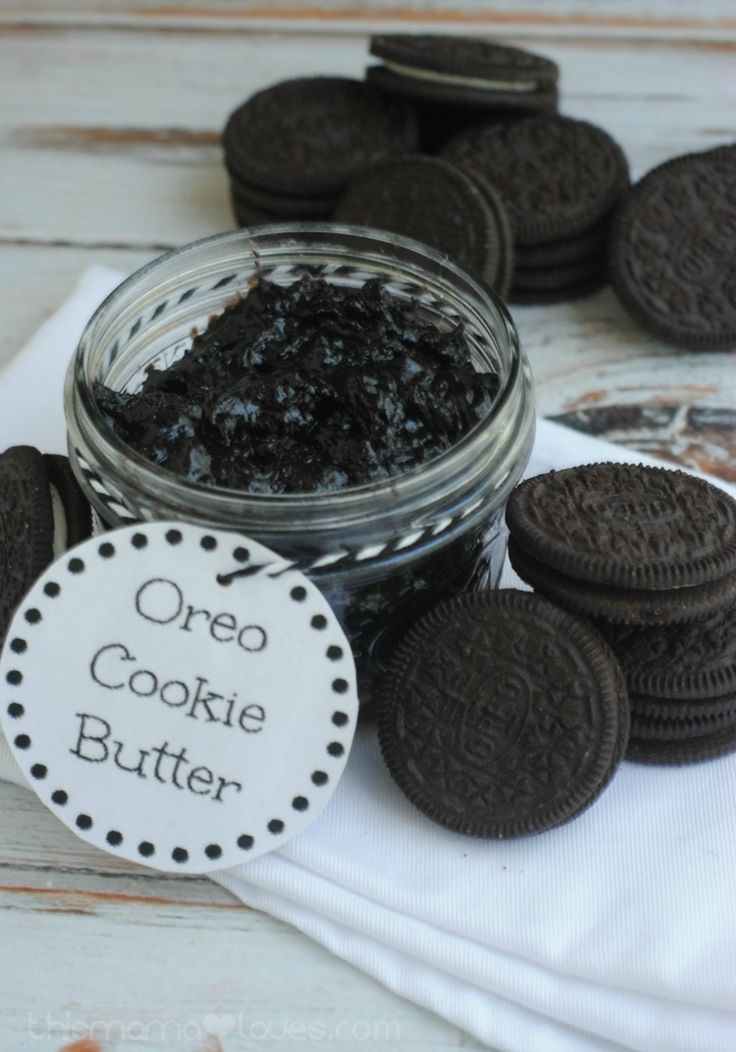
<point x="406" y="486"/>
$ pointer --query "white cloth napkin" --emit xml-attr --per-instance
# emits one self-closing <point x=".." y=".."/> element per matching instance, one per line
<point x="616" y="931"/>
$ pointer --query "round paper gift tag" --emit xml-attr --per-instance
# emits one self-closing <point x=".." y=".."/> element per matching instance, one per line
<point x="171" y="713"/>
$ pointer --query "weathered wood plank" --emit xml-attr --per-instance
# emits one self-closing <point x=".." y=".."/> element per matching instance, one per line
<point x="187" y="111"/>
<point x="165" y="81"/>
<point x="687" y="18"/>
<point x="597" y="371"/>
<point x="101" y="949"/>
<point x="38" y="858"/>
<point x="197" y="980"/>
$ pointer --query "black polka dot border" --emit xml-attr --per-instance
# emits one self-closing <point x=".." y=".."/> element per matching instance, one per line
<point x="14" y="677"/>
<point x="146" y="849"/>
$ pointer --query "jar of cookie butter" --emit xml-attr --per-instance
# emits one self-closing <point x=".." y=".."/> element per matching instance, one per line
<point x="384" y="550"/>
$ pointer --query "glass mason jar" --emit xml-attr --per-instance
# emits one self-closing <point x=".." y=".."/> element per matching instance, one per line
<point x="383" y="552"/>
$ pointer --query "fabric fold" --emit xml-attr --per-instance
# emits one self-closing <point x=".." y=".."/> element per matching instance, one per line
<point x="548" y="897"/>
<point x="497" y="1022"/>
<point x="635" y="1020"/>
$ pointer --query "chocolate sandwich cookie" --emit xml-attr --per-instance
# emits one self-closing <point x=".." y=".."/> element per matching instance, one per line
<point x="507" y="257"/>
<point x="500" y="715"/>
<point x="624" y="730"/>
<point x="548" y="279"/>
<point x="563" y="282"/>
<point x="687" y="662"/>
<point x="26" y="526"/>
<point x="248" y="215"/>
<point x="658" y="709"/>
<point x="282" y="206"/>
<point x="683" y="750"/>
<point x="673" y="251"/>
<point x="558" y="177"/>
<point x="464" y="71"/>
<point x="306" y="137"/>
<point x="565" y="250"/>
<point x="75" y="507"/>
<point x="432" y="201"/>
<point x="42" y="513"/>
<point x="670" y="730"/>
<point x="626" y="525"/>
<point x="678" y="727"/>
<point x="524" y="297"/>
<point x="626" y="606"/>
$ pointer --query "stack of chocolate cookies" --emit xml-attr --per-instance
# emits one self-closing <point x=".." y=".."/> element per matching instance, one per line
<point x="649" y="554"/>
<point x="560" y="180"/>
<point x="560" y="217"/>
<point x="44" y="513"/>
<point x="455" y="82"/>
<point x="290" y="149"/>
<point x="682" y="685"/>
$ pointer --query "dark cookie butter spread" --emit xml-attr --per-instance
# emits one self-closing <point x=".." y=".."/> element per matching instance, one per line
<point x="306" y="388"/>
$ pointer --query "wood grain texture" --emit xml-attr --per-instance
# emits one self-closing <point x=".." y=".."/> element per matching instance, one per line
<point x="596" y="371"/>
<point x="101" y="949"/>
<point x="662" y="18"/>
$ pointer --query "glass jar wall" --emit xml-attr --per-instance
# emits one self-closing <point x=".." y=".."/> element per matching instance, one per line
<point x="385" y="551"/>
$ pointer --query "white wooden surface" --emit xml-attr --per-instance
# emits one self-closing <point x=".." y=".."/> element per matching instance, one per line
<point x="109" y="122"/>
